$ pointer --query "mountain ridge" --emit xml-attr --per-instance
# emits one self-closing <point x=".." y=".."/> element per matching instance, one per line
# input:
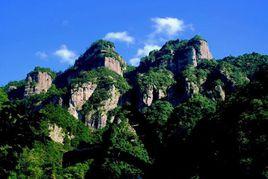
<point x="127" y="122"/>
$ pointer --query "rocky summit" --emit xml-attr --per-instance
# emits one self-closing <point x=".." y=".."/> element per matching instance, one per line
<point x="180" y="113"/>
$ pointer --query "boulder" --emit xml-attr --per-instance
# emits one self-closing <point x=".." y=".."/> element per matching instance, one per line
<point x="37" y="82"/>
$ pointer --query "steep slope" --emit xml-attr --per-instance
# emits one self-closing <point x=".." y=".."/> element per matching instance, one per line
<point x="175" y="55"/>
<point x="175" y="115"/>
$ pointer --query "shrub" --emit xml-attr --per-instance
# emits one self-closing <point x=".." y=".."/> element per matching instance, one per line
<point x="157" y="78"/>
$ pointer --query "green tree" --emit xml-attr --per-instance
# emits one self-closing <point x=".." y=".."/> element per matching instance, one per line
<point x="125" y="152"/>
<point x="185" y="117"/>
<point x="156" y="124"/>
<point x="57" y="115"/>
<point x="160" y="79"/>
<point x="41" y="161"/>
<point x="3" y="97"/>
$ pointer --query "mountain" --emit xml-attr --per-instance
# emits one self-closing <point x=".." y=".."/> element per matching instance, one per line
<point x="179" y="114"/>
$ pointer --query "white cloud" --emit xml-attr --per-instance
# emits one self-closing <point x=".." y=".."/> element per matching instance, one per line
<point x="143" y="52"/>
<point x="147" y="49"/>
<point x="134" y="61"/>
<point x="120" y="36"/>
<point x="42" y="55"/>
<point x="168" y="25"/>
<point x="66" y="55"/>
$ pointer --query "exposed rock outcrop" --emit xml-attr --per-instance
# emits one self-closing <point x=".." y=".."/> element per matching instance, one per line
<point x="195" y="51"/>
<point x="79" y="96"/>
<point x="97" y="118"/>
<point x="220" y="92"/>
<point x="56" y="133"/>
<point x="101" y="54"/>
<point x="146" y="98"/>
<point x="191" y="88"/>
<point x="176" y="55"/>
<point x="203" y="51"/>
<point x="37" y="82"/>
<point x="191" y="56"/>
<point x="113" y="65"/>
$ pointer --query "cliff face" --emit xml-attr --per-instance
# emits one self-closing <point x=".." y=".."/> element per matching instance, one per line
<point x="153" y="85"/>
<point x="37" y="82"/>
<point x="97" y="118"/>
<point x="101" y="54"/>
<point x="176" y="55"/>
<point x="79" y="96"/>
<point x="113" y="65"/>
<point x="96" y="83"/>
<point x="203" y="51"/>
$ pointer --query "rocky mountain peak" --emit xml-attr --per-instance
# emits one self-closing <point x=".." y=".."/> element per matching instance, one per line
<point x="38" y="81"/>
<point x="175" y="55"/>
<point x="101" y="54"/>
<point x="201" y="47"/>
<point x="92" y="122"/>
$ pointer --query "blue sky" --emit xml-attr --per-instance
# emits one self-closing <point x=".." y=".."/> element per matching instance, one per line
<point x="52" y="33"/>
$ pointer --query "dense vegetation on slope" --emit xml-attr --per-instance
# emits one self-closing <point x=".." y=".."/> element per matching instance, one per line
<point x="211" y="120"/>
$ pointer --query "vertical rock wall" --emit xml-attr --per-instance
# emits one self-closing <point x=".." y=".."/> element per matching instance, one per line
<point x="37" y="83"/>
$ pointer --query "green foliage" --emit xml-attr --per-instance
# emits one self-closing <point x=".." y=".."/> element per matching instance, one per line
<point x="130" y="69"/>
<point x="44" y="97"/>
<point x="101" y="49"/>
<point x="103" y="77"/>
<point x="209" y="65"/>
<point x="233" y="73"/>
<point x="119" y="169"/>
<point x="175" y="45"/>
<point x="78" y="170"/>
<point x="172" y="47"/>
<point x="198" y="76"/>
<point x="26" y="149"/>
<point x="248" y="63"/>
<point x="51" y="114"/>
<point x="44" y="70"/>
<point x="166" y="53"/>
<point x="96" y="100"/>
<point x="123" y="138"/>
<point x="157" y="78"/>
<point x="17" y="84"/>
<point x="157" y="118"/>
<point x="197" y="38"/>
<point x="126" y="149"/>
<point x="188" y="114"/>
<point x="199" y="138"/>
<point x="247" y="126"/>
<point x="156" y="125"/>
<point x="3" y="97"/>
<point x="42" y="161"/>
<point x="195" y="42"/>
<point x="102" y="44"/>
